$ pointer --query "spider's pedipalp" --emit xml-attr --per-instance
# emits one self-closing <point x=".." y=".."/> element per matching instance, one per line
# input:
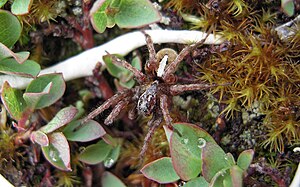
<point x="138" y="74"/>
<point x="165" y="110"/>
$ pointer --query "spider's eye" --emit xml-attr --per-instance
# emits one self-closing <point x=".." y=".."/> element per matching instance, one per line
<point x="147" y="100"/>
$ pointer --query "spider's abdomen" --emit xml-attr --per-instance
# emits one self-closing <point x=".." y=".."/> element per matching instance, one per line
<point x="147" y="100"/>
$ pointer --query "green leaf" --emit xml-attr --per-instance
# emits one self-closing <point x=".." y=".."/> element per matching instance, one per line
<point x="40" y="138"/>
<point x="221" y="178"/>
<point x="2" y="2"/>
<point x="88" y="131"/>
<point x="236" y="174"/>
<point x="112" y="157"/>
<point x="63" y="117"/>
<point x="245" y="158"/>
<point x="10" y="28"/>
<point x="136" y="13"/>
<point x="110" y="180"/>
<point x="28" y="69"/>
<point x="95" y="153"/>
<point x="214" y="160"/>
<point x="161" y="171"/>
<point x="20" y="57"/>
<point x="32" y="99"/>
<point x="187" y="141"/>
<point x="55" y="93"/>
<point x="114" y="70"/>
<point x="13" y="101"/>
<point x="199" y="181"/>
<point x="58" y="151"/>
<point x="21" y="7"/>
<point x="99" y="21"/>
<point x="98" y="16"/>
<point x="288" y="7"/>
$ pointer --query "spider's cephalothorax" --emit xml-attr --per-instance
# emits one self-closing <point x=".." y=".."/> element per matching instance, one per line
<point x="155" y="86"/>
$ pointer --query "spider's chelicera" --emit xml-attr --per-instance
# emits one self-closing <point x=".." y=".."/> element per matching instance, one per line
<point x="155" y="87"/>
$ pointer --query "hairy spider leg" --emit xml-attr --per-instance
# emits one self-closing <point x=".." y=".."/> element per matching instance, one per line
<point x="141" y="77"/>
<point x="169" y="76"/>
<point x="116" y="111"/>
<point x="151" y="64"/>
<point x="153" y="125"/>
<point x="178" y="89"/>
<point x="109" y="102"/>
<point x="165" y="110"/>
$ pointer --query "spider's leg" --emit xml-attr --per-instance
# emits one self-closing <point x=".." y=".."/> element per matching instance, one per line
<point x="151" y="63"/>
<point x="109" y="102"/>
<point x="178" y="89"/>
<point x="153" y="124"/>
<point x="141" y="77"/>
<point x="116" y="111"/>
<point x="165" y="111"/>
<point x="172" y="67"/>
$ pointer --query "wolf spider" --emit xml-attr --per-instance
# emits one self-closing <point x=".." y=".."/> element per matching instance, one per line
<point x="154" y="88"/>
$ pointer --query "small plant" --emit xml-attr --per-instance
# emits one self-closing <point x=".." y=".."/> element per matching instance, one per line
<point x="125" y="13"/>
<point x="194" y="152"/>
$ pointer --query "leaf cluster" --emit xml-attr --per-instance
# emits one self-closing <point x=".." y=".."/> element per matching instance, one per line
<point x="197" y="159"/>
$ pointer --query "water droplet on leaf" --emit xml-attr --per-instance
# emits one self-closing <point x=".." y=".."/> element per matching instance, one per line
<point x="54" y="155"/>
<point x="201" y="142"/>
<point x="108" y="162"/>
<point x="185" y="141"/>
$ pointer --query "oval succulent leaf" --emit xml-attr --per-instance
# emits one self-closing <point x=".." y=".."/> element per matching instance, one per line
<point x="186" y="144"/>
<point x="20" y="57"/>
<point x="32" y="99"/>
<point x="10" y="28"/>
<point x="112" y="157"/>
<point x="161" y="171"/>
<point x="95" y="153"/>
<point x="55" y="93"/>
<point x="40" y="138"/>
<point x="136" y="13"/>
<point x="21" y="7"/>
<point x="58" y="151"/>
<point x="2" y="2"/>
<point x="108" y="180"/>
<point x="88" y="131"/>
<point x="13" y="101"/>
<point x="245" y="158"/>
<point x="28" y="69"/>
<point x="199" y="181"/>
<point x="63" y="117"/>
<point x="98" y="16"/>
<point x="214" y="160"/>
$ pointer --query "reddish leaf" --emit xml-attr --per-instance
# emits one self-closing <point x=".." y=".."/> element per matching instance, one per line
<point x="58" y="151"/>
<point x="187" y="141"/>
<point x="40" y="138"/>
<point x="63" y="117"/>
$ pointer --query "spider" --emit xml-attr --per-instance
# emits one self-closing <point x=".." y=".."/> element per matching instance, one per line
<point x="155" y="87"/>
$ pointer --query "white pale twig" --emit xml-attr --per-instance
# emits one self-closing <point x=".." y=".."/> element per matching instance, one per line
<point x="296" y="180"/>
<point x="83" y="64"/>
